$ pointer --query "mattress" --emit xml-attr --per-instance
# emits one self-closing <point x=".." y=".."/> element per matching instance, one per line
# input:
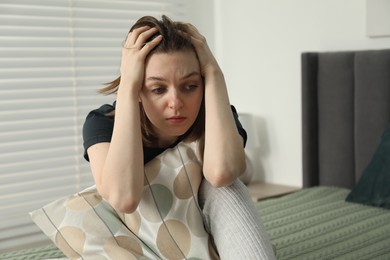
<point x="314" y="223"/>
<point x="317" y="223"/>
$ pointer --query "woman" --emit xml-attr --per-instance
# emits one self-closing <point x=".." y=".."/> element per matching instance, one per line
<point x="172" y="94"/>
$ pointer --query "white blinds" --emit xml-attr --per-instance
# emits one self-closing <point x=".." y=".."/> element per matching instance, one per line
<point x="54" y="55"/>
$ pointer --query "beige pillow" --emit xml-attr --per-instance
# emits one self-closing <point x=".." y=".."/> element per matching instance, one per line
<point x="167" y="224"/>
<point x="84" y="225"/>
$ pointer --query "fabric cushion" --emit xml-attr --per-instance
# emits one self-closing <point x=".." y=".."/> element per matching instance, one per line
<point x="83" y="225"/>
<point x="167" y="223"/>
<point x="373" y="187"/>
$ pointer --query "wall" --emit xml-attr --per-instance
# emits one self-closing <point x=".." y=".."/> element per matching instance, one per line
<point x="201" y="13"/>
<point x="258" y="44"/>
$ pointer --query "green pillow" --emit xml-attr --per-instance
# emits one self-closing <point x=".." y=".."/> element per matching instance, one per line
<point x="373" y="187"/>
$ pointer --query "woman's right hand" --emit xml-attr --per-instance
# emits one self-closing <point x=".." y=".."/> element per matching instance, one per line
<point x="134" y="52"/>
<point x="117" y="166"/>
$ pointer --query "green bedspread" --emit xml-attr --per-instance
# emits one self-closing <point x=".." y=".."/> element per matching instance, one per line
<point x="39" y="253"/>
<point x="317" y="223"/>
<point x="313" y="223"/>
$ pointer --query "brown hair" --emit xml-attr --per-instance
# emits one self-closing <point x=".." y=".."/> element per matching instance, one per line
<point x="173" y="41"/>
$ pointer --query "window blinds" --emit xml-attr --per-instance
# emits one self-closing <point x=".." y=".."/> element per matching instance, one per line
<point x="54" y="56"/>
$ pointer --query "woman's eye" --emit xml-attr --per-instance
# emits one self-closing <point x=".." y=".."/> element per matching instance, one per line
<point x="190" y="87"/>
<point x="158" y="90"/>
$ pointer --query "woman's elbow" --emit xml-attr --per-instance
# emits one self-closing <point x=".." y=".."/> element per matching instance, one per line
<point x="124" y="204"/>
<point x="219" y="180"/>
<point x="226" y="176"/>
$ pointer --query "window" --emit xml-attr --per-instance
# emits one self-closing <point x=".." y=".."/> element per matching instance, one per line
<point x="54" y="56"/>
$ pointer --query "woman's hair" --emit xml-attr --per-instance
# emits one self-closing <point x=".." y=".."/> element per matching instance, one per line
<point x="173" y="40"/>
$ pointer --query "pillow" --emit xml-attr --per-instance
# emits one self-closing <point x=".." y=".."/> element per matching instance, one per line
<point x="84" y="225"/>
<point x="373" y="187"/>
<point x="167" y="223"/>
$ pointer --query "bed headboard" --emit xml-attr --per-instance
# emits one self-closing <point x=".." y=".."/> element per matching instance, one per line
<point x="345" y="109"/>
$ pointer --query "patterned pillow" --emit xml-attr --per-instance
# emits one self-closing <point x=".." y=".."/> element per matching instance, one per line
<point x="167" y="223"/>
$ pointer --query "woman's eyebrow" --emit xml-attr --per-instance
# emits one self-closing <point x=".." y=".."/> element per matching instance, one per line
<point x="195" y="73"/>
<point x="154" y="78"/>
<point x="157" y="78"/>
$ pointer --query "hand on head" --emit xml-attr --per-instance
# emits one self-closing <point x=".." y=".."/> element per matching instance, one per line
<point x="142" y="40"/>
<point x="135" y="49"/>
<point x="208" y="63"/>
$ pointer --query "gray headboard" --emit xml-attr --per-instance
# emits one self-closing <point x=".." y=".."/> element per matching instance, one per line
<point x="345" y="109"/>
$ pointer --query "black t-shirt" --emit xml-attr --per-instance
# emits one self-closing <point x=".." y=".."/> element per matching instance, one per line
<point x="98" y="128"/>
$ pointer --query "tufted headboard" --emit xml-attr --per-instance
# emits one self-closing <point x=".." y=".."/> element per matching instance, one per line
<point x="345" y="109"/>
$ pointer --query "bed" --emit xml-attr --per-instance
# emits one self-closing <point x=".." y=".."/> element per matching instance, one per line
<point x="345" y="112"/>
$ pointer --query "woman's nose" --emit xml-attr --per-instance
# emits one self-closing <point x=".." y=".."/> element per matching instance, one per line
<point x="175" y="101"/>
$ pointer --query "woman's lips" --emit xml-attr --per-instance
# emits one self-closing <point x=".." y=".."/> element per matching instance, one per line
<point x="176" y="119"/>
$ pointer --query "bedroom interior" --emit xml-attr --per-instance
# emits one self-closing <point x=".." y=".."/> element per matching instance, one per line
<point x="343" y="210"/>
<point x="322" y="108"/>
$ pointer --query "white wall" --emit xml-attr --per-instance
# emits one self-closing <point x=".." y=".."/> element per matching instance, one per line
<point x="201" y="13"/>
<point x="258" y="44"/>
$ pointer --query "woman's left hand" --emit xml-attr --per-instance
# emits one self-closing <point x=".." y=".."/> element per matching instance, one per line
<point x="207" y="61"/>
<point x="223" y="161"/>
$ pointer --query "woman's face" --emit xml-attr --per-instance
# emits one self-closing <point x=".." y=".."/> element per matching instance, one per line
<point x="172" y="93"/>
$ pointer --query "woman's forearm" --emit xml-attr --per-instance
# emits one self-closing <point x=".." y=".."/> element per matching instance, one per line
<point x="122" y="175"/>
<point x="224" y="156"/>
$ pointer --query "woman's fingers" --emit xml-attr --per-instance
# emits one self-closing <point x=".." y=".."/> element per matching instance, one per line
<point x="137" y="38"/>
<point x="206" y="59"/>
<point x="131" y="38"/>
<point x="147" y="47"/>
<point x="193" y="32"/>
<point x="135" y="49"/>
